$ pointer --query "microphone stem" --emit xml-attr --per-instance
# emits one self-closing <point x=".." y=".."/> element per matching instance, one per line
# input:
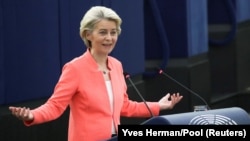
<point x="138" y="92"/>
<point x="186" y="88"/>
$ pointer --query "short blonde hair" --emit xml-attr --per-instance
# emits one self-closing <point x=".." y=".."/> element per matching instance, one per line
<point x="93" y="16"/>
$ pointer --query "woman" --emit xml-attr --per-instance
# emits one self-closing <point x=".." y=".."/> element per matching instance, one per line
<point x="93" y="86"/>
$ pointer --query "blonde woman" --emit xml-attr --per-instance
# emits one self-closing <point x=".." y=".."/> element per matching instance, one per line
<point x="93" y="86"/>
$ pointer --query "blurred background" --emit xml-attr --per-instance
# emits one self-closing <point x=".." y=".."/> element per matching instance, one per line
<point x="202" y="44"/>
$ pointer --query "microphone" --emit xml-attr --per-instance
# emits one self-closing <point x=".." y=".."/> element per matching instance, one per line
<point x="192" y="92"/>
<point x="126" y="75"/>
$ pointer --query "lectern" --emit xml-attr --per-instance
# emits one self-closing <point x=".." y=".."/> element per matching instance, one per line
<point x="224" y="116"/>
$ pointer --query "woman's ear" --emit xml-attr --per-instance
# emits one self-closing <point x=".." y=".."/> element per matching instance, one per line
<point x="87" y="35"/>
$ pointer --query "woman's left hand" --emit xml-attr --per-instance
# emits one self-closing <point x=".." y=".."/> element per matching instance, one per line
<point x="169" y="101"/>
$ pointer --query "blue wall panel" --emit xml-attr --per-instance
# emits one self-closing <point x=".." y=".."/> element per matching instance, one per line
<point x="70" y="15"/>
<point x="219" y="11"/>
<point x="31" y="57"/>
<point x="185" y="26"/>
<point x="197" y="32"/>
<point x="227" y="12"/>
<point x="38" y="37"/>
<point x="130" y="46"/>
<point x="243" y="10"/>
<point x="222" y="11"/>
<point x="2" y="94"/>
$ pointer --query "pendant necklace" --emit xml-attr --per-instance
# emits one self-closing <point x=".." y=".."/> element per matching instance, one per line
<point x="104" y="72"/>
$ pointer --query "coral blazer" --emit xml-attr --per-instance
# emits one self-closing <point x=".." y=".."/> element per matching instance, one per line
<point x="81" y="86"/>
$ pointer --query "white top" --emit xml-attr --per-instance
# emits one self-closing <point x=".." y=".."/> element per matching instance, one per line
<point x="111" y="99"/>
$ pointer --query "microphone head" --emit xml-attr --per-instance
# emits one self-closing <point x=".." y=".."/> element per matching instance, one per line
<point x="126" y="75"/>
<point x="159" y="70"/>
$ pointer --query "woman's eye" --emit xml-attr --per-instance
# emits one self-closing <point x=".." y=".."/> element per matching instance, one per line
<point x="113" y="33"/>
<point x="103" y="32"/>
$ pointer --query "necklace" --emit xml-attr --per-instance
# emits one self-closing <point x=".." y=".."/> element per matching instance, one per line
<point x="104" y="72"/>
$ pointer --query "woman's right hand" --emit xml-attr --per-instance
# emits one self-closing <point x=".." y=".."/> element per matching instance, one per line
<point x="22" y="113"/>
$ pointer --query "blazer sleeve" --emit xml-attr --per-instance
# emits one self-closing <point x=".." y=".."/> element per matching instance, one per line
<point x="139" y="109"/>
<point x="58" y="102"/>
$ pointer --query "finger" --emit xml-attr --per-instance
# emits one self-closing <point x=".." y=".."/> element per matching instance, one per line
<point x="167" y="95"/>
<point x="177" y="94"/>
<point x="12" y="109"/>
<point x="16" y="111"/>
<point x="22" y="111"/>
<point x="26" y="114"/>
<point x="176" y="99"/>
<point x="173" y="97"/>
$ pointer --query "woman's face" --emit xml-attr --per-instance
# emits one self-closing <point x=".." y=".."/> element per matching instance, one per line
<point x="104" y="37"/>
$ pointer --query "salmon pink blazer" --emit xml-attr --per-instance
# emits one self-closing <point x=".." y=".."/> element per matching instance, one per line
<point x="82" y="87"/>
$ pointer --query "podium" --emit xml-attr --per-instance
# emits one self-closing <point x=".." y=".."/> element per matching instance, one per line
<point x="223" y="116"/>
